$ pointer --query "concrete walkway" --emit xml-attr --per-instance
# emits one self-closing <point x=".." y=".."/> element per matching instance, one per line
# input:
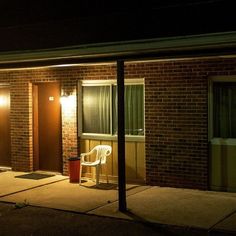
<point x="211" y="211"/>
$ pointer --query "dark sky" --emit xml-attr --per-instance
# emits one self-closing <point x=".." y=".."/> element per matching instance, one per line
<point x="30" y="24"/>
<point x="30" y="11"/>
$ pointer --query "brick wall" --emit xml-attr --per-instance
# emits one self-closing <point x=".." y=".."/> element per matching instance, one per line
<point x="20" y="82"/>
<point x="176" y="114"/>
<point x="176" y="119"/>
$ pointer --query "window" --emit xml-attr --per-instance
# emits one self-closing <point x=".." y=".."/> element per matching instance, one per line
<point x="96" y="109"/>
<point x="224" y="109"/>
<point x="99" y="107"/>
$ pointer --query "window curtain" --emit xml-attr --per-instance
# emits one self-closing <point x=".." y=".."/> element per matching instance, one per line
<point x="96" y="109"/>
<point x="224" y="110"/>
<point x="134" y="110"/>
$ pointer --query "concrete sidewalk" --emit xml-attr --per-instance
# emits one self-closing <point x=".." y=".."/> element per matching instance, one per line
<point x="211" y="211"/>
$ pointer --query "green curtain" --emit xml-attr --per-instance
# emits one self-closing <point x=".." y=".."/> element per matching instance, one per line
<point x="96" y="109"/>
<point x="224" y="110"/>
<point x="134" y="110"/>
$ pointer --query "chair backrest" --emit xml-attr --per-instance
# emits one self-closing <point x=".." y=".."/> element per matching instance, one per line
<point x="102" y="152"/>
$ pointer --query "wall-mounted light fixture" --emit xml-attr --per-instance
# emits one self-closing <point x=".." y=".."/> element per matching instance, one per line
<point x="63" y="99"/>
<point x="68" y="100"/>
<point x="64" y="96"/>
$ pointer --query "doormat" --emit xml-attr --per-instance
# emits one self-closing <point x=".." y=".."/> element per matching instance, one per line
<point x="35" y="176"/>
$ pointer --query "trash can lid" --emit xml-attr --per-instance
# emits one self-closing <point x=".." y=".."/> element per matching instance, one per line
<point x="74" y="158"/>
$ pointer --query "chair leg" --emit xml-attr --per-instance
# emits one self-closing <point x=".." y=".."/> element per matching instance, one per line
<point x="107" y="173"/>
<point x="97" y="174"/>
<point x="93" y="173"/>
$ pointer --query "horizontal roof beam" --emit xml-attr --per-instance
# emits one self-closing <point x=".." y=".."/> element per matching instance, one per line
<point x="207" y="44"/>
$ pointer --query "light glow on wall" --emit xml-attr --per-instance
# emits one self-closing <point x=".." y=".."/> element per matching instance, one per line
<point x="69" y="108"/>
<point x="3" y="101"/>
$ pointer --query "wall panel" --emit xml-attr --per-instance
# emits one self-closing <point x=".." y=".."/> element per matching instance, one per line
<point x="135" y="160"/>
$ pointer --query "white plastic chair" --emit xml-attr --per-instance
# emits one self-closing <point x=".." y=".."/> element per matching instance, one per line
<point x="102" y="152"/>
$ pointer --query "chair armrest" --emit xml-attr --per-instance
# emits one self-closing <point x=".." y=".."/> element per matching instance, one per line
<point x="83" y="155"/>
<point x="108" y="152"/>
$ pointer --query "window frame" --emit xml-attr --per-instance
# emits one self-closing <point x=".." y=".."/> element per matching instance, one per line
<point x="110" y="136"/>
<point x="211" y="138"/>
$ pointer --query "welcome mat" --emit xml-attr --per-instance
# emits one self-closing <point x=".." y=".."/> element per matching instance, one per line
<point x="35" y="176"/>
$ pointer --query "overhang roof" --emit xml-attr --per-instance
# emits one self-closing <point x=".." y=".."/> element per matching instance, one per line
<point x="192" y="29"/>
<point x="195" y="45"/>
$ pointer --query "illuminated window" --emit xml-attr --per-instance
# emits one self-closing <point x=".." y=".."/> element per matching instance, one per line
<point x="224" y="109"/>
<point x="99" y="108"/>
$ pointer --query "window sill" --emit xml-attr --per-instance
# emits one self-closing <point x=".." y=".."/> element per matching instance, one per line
<point x="128" y="138"/>
<point x="224" y="141"/>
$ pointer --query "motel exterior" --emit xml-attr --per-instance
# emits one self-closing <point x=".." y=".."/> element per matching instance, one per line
<point x="180" y="114"/>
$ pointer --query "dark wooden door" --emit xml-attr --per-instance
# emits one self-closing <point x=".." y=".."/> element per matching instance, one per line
<point x="47" y="127"/>
<point x="5" y="136"/>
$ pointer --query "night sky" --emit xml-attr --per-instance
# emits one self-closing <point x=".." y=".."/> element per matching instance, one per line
<point x="29" y="12"/>
<point x="42" y="24"/>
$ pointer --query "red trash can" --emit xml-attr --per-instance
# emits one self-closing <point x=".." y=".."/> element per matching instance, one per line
<point x="74" y="169"/>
